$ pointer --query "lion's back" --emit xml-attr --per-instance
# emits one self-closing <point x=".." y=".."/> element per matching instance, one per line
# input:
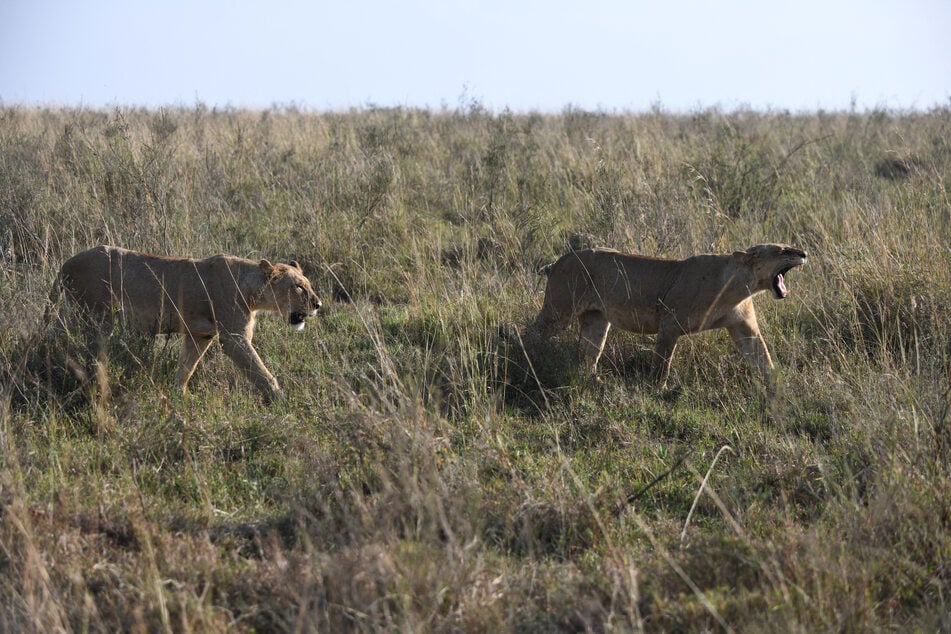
<point x="152" y="291"/>
<point x="613" y="276"/>
<point x="625" y="288"/>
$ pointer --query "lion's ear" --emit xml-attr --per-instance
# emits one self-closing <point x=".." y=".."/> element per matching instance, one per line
<point x="295" y="265"/>
<point x="267" y="267"/>
<point x="742" y="256"/>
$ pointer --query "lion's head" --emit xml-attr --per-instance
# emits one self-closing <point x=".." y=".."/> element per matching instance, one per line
<point x="289" y="292"/>
<point x="769" y="264"/>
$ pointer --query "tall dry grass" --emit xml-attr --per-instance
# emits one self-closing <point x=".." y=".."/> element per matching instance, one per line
<point x="425" y="474"/>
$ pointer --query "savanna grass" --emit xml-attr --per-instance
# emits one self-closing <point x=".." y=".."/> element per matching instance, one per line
<point x="427" y="472"/>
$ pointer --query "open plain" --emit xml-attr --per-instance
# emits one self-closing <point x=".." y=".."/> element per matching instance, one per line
<point x="426" y="471"/>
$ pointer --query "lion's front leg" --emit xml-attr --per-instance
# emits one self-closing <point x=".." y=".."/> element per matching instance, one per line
<point x="244" y="355"/>
<point x="749" y="341"/>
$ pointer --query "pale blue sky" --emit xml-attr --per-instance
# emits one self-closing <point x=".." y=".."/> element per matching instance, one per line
<point x="612" y="55"/>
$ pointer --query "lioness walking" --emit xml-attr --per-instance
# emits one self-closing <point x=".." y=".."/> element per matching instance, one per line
<point x="199" y="299"/>
<point x="669" y="298"/>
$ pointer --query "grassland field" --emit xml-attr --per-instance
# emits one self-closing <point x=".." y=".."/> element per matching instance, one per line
<point x="425" y="473"/>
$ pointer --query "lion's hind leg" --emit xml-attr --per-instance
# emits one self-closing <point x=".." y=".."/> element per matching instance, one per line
<point x="193" y="349"/>
<point x="594" y="332"/>
<point x="667" y="336"/>
<point x="84" y="340"/>
<point x="87" y="334"/>
<point x="547" y="324"/>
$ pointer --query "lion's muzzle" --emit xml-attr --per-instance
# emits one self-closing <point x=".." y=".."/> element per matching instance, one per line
<point x="296" y="318"/>
<point x="779" y="280"/>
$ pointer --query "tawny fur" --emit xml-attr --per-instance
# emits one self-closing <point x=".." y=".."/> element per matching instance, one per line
<point x="199" y="299"/>
<point x="669" y="298"/>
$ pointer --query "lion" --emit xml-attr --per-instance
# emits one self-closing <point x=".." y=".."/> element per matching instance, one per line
<point x="219" y="296"/>
<point x="602" y="287"/>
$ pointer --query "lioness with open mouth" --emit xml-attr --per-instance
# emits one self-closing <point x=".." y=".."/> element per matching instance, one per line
<point x="669" y="298"/>
<point x="199" y="299"/>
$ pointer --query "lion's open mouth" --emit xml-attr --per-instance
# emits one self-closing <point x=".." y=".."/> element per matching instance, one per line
<point x="779" y="281"/>
<point x="779" y="285"/>
<point x="296" y="319"/>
